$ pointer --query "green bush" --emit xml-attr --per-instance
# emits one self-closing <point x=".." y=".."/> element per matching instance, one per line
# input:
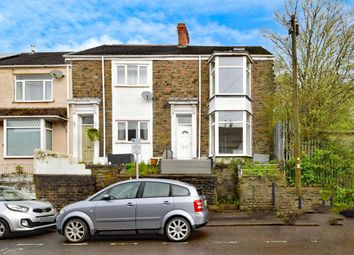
<point x="144" y="169"/>
<point x="252" y="168"/>
<point x="343" y="199"/>
<point x="331" y="169"/>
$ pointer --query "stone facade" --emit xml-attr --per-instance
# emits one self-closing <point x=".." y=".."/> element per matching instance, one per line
<point x="177" y="79"/>
<point x="262" y="96"/>
<point x="87" y="83"/>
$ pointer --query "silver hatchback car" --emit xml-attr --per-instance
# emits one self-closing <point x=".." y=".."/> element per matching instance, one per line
<point x="20" y="213"/>
<point x="165" y="206"/>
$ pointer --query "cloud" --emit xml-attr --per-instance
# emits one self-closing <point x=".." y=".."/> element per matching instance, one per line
<point x="89" y="43"/>
<point x="83" y="24"/>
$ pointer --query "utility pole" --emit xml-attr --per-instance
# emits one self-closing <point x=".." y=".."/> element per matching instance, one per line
<point x="294" y="31"/>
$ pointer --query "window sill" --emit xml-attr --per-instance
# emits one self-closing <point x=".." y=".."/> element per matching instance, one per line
<point x="132" y="86"/>
<point x="122" y="142"/>
<point x="26" y="102"/>
<point x="231" y="155"/>
<point x="17" y="157"/>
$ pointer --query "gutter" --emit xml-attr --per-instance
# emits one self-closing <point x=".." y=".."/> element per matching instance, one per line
<point x="68" y="95"/>
<point x="103" y="109"/>
<point x="199" y="104"/>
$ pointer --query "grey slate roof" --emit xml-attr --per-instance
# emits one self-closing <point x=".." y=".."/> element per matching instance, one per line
<point x="37" y="58"/>
<point x="123" y="49"/>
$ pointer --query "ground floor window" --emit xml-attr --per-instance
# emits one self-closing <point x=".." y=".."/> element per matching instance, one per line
<point x="23" y="136"/>
<point x="128" y="130"/>
<point x="230" y="133"/>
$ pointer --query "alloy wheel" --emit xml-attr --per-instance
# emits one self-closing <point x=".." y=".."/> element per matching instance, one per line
<point x="178" y="229"/>
<point x="4" y="229"/>
<point x="75" y="231"/>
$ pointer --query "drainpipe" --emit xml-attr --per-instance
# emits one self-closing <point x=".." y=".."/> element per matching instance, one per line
<point x="200" y="106"/>
<point x="68" y="110"/>
<point x="103" y="109"/>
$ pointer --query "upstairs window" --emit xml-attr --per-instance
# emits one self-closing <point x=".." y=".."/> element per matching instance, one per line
<point x="34" y="88"/>
<point x="132" y="75"/>
<point x="230" y="75"/>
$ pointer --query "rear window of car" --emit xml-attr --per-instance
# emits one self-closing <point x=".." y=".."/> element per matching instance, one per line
<point x="178" y="191"/>
<point x="156" y="189"/>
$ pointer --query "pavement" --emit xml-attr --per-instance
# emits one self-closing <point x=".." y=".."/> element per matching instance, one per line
<point x="238" y="218"/>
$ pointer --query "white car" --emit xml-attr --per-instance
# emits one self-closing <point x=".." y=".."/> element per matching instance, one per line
<point x="20" y="213"/>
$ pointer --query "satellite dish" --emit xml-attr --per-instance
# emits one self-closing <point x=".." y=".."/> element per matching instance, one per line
<point x="146" y="95"/>
<point x="56" y="74"/>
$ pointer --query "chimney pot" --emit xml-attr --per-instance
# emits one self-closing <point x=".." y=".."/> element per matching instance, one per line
<point x="183" y="36"/>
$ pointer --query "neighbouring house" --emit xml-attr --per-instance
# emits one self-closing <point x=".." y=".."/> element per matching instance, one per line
<point x="195" y="102"/>
<point x="34" y="88"/>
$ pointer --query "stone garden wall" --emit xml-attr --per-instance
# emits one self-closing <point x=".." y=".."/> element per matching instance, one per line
<point x="256" y="194"/>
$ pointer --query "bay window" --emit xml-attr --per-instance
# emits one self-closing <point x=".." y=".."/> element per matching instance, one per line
<point x="128" y="130"/>
<point x="33" y="88"/>
<point x="230" y="75"/>
<point x="23" y="136"/>
<point x="230" y="133"/>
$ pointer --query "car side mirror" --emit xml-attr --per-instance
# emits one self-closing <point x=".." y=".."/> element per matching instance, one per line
<point x="106" y="197"/>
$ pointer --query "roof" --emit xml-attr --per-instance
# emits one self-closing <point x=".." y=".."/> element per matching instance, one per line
<point x="124" y="49"/>
<point x="37" y="58"/>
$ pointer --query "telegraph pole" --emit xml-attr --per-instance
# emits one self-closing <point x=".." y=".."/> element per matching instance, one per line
<point x="294" y="31"/>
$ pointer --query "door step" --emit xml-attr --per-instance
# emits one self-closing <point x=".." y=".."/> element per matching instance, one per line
<point x="193" y="166"/>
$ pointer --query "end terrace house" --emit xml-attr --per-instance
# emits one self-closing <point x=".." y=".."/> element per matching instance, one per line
<point x="34" y="88"/>
<point x="194" y="101"/>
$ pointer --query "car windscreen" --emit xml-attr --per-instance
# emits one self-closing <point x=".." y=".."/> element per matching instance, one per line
<point x="13" y="195"/>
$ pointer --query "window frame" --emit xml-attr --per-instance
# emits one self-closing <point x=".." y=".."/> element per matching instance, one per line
<point x="245" y="123"/>
<point x="42" y="141"/>
<point x="244" y="67"/>
<point x="138" y="65"/>
<point x="138" y="130"/>
<point x="146" y="182"/>
<point x="23" y="93"/>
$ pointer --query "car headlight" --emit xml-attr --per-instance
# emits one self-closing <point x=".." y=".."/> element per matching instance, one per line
<point x="17" y="208"/>
<point x="62" y="211"/>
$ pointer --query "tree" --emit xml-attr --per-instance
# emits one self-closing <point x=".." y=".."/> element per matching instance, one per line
<point x="325" y="65"/>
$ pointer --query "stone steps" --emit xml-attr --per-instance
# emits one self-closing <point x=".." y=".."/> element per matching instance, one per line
<point x="193" y="166"/>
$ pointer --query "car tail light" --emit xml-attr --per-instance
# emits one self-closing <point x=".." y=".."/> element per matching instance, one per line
<point x="198" y="205"/>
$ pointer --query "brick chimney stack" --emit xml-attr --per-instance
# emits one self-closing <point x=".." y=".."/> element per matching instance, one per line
<point x="183" y="37"/>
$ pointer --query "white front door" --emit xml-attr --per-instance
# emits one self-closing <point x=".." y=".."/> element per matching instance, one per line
<point x="184" y="137"/>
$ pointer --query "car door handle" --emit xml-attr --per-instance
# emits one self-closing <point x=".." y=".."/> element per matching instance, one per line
<point x="130" y="204"/>
<point x="166" y="203"/>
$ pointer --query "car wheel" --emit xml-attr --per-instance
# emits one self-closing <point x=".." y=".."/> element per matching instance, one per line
<point x="4" y="229"/>
<point x="76" y="231"/>
<point x="178" y="229"/>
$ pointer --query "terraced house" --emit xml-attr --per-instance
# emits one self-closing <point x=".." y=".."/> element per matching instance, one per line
<point x="196" y="102"/>
<point x="34" y="88"/>
<point x="183" y="102"/>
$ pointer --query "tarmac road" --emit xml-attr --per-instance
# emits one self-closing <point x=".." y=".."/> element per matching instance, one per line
<point x="253" y="240"/>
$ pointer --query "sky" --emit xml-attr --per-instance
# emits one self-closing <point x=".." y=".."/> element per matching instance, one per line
<point x="71" y="25"/>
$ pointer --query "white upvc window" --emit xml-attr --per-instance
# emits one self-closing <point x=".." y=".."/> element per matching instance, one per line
<point x="132" y="74"/>
<point x="230" y="133"/>
<point x="34" y="88"/>
<point x="23" y="136"/>
<point x="128" y="130"/>
<point x="230" y="75"/>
